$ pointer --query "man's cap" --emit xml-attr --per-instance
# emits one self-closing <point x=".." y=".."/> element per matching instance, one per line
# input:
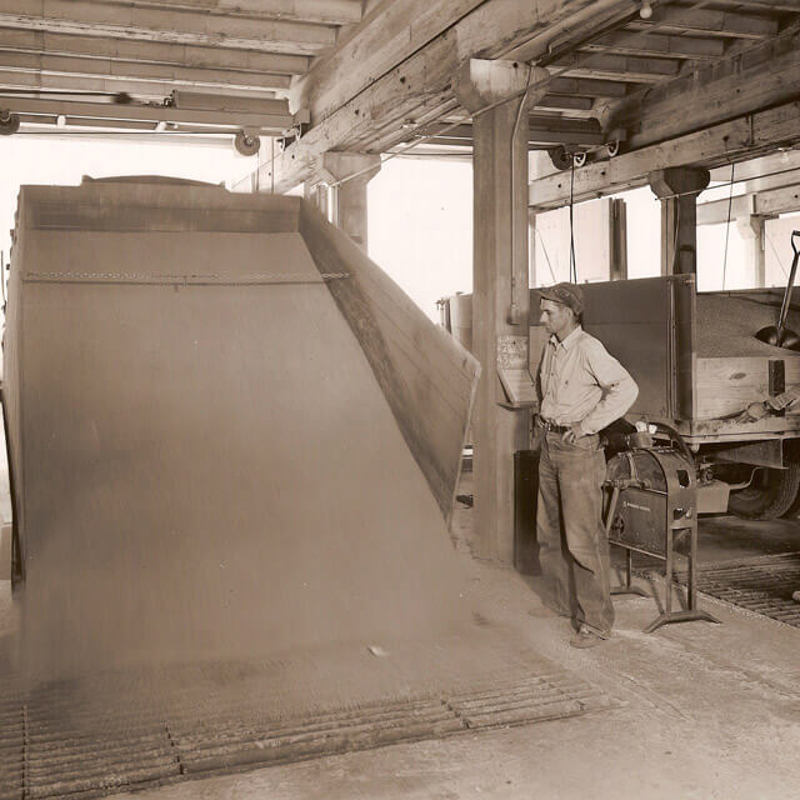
<point x="568" y="294"/>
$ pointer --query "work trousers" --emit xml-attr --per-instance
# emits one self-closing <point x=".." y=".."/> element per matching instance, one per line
<point x="573" y="547"/>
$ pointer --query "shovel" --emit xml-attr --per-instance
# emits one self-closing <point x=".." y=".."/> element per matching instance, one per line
<point x="779" y="335"/>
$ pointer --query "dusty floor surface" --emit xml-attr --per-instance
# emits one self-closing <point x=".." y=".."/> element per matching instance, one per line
<point x="704" y="711"/>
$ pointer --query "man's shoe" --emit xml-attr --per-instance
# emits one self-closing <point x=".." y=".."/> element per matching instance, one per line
<point x="586" y="637"/>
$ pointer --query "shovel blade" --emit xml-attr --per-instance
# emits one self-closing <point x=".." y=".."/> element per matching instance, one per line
<point x="785" y="338"/>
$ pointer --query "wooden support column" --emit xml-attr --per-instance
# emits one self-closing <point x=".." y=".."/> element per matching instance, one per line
<point x="349" y="175"/>
<point x="677" y="188"/>
<point x="752" y="229"/>
<point x="500" y="283"/>
<point x="317" y="193"/>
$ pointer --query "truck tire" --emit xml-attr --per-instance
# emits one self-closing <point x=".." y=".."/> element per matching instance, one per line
<point x="770" y="496"/>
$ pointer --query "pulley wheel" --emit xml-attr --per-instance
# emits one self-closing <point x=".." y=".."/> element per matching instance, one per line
<point x="246" y="144"/>
<point x="9" y="123"/>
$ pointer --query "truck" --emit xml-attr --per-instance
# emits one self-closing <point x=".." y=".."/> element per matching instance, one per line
<point x="699" y="365"/>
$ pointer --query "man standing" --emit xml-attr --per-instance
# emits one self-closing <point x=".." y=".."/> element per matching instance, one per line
<point x="581" y="389"/>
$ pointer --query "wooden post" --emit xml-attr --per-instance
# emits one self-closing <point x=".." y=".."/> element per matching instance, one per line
<point x="500" y="283"/>
<point x="317" y="193"/>
<point x="678" y="187"/>
<point x="350" y="173"/>
<point x="752" y="229"/>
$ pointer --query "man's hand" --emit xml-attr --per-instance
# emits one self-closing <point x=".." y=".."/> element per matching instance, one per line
<point x="575" y="432"/>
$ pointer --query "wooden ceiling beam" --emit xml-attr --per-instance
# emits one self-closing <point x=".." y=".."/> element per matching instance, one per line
<point x="381" y="138"/>
<point x="323" y="12"/>
<point x="93" y="18"/>
<point x="717" y="212"/>
<point x="769" y="203"/>
<point x="419" y="89"/>
<point x="708" y="22"/>
<point x="758" y="171"/>
<point x="175" y="54"/>
<point x="654" y="44"/>
<point x="766" y="74"/>
<point x="89" y="70"/>
<point x="386" y="37"/>
<point x="737" y="140"/>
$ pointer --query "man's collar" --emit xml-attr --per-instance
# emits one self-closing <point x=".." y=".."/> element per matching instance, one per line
<point x="569" y="340"/>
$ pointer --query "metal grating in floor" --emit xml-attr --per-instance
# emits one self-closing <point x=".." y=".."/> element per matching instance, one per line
<point x="54" y="744"/>
<point x="764" y="584"/>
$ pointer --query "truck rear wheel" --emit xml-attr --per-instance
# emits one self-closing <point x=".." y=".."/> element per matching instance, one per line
<point x="771" y="494"/>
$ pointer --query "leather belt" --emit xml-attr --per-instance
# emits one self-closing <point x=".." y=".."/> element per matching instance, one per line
<point x="551" y="426"/>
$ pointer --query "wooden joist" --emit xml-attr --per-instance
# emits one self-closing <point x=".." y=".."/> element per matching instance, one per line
<point x="737" y="140"/>
<point x="324" y="12"/>
<point x="708" y="22"/>
<point x="67" y="72"/>
<point x="630" y="69"/>
<point x="274" y="118"/>
<point x="765" y="75"/>
<point x="778" y="201"/>
<point x="760" y="170"/>
<point x="764" y="197"/>
<point x="143" y="90"/>
<point x="655" y="44"/>
<point x="39" y="42"/>
<point x="89" y="17"/>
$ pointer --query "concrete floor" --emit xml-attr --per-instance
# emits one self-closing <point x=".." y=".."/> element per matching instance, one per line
<point x="701" y="711"/>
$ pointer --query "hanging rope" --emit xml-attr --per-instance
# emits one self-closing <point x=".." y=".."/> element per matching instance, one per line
<point x="727" y="229"/>
<point x="573" y="268"/>
<point x="537" y="232"/>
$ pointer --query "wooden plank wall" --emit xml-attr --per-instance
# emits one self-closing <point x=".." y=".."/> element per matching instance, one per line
<point x="428" y="379"/>
<point x="632" y="320"/>
<point x="728" y="385"/>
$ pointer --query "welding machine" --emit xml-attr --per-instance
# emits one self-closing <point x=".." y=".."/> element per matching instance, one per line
<point x="652" y="509"/>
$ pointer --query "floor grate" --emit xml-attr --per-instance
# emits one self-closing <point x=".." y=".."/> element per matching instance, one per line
<point x="53" y="743"/>
<point x="764" y="585"/>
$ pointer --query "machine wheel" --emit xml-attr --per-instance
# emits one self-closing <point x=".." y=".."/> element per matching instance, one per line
<point x="771" y="494"/>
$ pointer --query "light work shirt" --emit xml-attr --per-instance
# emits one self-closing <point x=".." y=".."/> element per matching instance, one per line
<point x="578" y="381"/>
